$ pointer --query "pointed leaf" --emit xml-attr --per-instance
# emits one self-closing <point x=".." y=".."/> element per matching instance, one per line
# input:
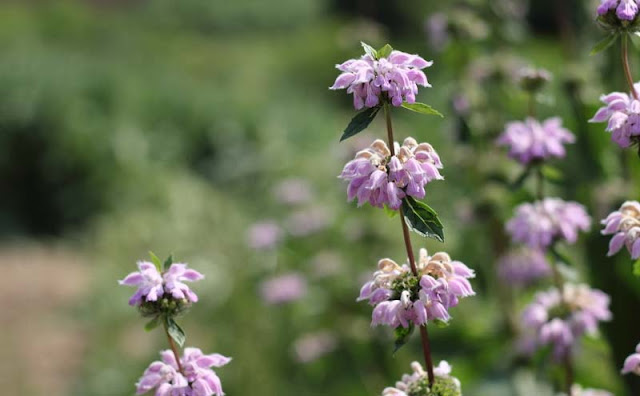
<point x="604" y="43"/>
<point x="360" y="122"/>
<point x="422" y="108"/>
<point x="402" y="335"/>
<point x="517" y="184"/>
<point x="384" y="51"/>
<point x="369" y="50"/>
<point x="175" y="332"/>
<point x="390" y="212"/>
<point x="167" y="263"/>
<point x="552" y="174"/>
<point x="559" y="256"/>
<point x="441" y="323"/>
<point x="421" y="219"/>
<point x="636" y="268"/>
<point x="152" y="324"/>
<point x="155" y="260"/>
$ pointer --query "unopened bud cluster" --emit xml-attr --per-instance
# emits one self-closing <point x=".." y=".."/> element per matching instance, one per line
<point x="618" y="14"/>
<point x="417" y="383"/>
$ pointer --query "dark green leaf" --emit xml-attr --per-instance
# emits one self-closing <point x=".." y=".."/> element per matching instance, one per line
<point x="604" y="43"/>
<point x="421" y="108"/>
<point x="167" y="263"/>
<point x="390" y="212"/>
<point x="517" y="184"/>
<point x="402" y="335"/>
<point x="369" y="50"/>
<point x="559" y="256"/>
<point x="360" y="122"/>
<point x="152" y="324"/>
<point x="384" y="51"/>
<point x="421" y="219"/>
<point x="155" y="260"/>
<point x="636" y="268"/>
<point x="175" y="332"/>
<point x="552" y="174"/>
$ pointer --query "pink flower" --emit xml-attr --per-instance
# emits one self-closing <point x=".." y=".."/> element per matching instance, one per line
<point x="377" y="177"/>
<point x="541" y="223"/>
<point x="283" y="288"/>
<point x="264" y="235"/>
<point x="397" y="75"/>
<point x="561" y="319"/>
<point x="416" y="383"/>
<point x="149" y="283"/>
<point x="400" y="298"/>
<point x="624" y="9"/>
<point x="530" y="141"/>
<point x="624" y="225"/>
<point x="174" y="279"/>
<point x="523" y="266"/>
<point x="632" y="363"/>
<point x="197" y="379"/>
<point x="312" y="346"/>
<point x="623" y="114"/>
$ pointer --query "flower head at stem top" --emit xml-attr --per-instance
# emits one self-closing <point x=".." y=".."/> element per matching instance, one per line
<point x="372" y="79"/>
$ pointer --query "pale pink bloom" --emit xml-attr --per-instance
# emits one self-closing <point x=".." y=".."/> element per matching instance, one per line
<point x="174" y="279"/>
<point x="264" y="235"/>
<point x="283" y="288"/>
<point x="632" y="363"/>
<point x="148" y="281"/>
<point x="624" y="225"/>
<point x="534" y="141"/>
<point x="313" y="346"/>
<point x="412" y="384"/>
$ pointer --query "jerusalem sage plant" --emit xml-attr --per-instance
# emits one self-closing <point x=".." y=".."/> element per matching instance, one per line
<point x="620" y="18"/>
<point x="393" y="177"/>
<point x="162" y="296"/>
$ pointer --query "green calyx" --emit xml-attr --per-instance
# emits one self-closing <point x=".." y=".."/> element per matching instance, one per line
<point x="165" y="306"/>
<point x="408" y="282"/>
<point x="447" y="386"/>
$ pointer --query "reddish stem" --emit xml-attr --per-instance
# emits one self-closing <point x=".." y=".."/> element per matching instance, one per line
<point x="625" y="66"/>
<point x="424" y="334"/>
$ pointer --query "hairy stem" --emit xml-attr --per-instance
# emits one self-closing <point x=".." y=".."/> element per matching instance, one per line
<point x="625" y="65"/>
<point x="424" y="334"/>
<point x="174" y="348"/>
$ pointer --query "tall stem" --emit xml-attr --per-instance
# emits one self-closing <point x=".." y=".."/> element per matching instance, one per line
<point x="424" y="334"/>
<point x="559" y="283"/>
<point x="539" y="183"/>
<point x="625" y="65"/>
<point x="174" y="348"/>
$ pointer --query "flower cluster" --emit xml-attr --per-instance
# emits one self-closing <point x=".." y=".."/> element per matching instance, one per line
<point x="532" y="141"/>
<point x="632" y="363"/>
<point x="523" y="266"/>
<point x="152" y="285"/>
<point x="196" y="379"/>
<point x="397" y="76"/>
<point x="624" y="225"/>
<point x="623" y="114"/>
<point x="626" y="10"/>
<point x="542" y="223"/>
<point x="417" y="383"/>
<point x="560" y="318"/>
<point x="377" y="177"/>
<point x="531" y="79"/>
<point x="401" y="298"/>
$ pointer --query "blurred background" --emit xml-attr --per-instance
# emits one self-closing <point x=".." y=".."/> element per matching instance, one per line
<point x="204" y="128"/>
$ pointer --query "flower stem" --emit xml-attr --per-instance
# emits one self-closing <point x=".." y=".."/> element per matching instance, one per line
<point x="559" y="283"/>
<point x="539" y="183"/>
<point x="424" y="334"/>
<point x="532" y="105"/>
<point x="625" y="65"/>
<point x="174" y="348"/>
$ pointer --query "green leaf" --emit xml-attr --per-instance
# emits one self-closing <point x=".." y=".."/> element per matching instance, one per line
<point x="384" y="51"/>
<point x="559" y="256"/>
<point x="421" y="219"/>
<point x="152" y="324"/>
<point x="167" y="263"/>
<point x="360" y="122"/>
<point x="517" y="184"/>
<point x="155" y="260"/>
<point x="552" y="174"/>
<point x="390" y="212"/>
<point x="441" y="323"/>
<point x="604" y="43"/>
<point x="175" y="331"/>
<point x="422" y="108"/>
<point x="636" y="268"/>
<point x="369" y="50"/>
<point x="402" y="335"/>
